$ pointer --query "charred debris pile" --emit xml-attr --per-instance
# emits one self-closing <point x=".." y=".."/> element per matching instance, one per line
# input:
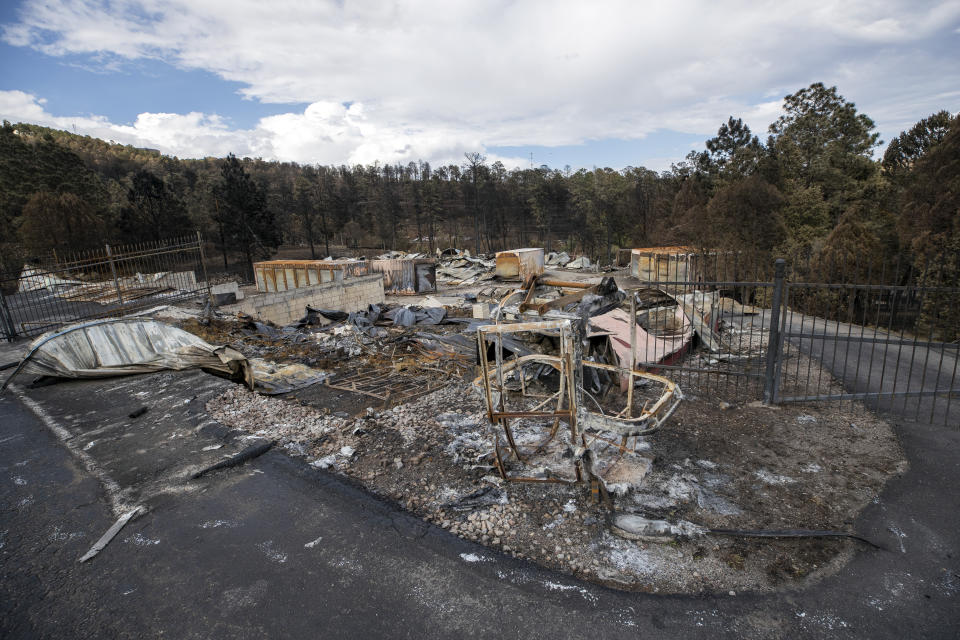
<point x="532" y="411"/>
<point x="569" y="385"/>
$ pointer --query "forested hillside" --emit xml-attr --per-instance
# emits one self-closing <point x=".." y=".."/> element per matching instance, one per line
<point x="810" y="191"/>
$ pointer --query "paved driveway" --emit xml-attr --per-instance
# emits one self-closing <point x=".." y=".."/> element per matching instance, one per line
<point x="869" y="360"/>
<point x="278" y="549"/>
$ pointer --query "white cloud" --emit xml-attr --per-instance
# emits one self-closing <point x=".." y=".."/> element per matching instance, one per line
<point x="191" y="135"/>
<point x="324" y="133"/>
<point x="432" y="78"/>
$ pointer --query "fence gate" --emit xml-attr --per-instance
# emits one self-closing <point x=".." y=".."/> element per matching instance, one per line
<point x="858" y="329"/>
<point x="110" y="281"/>
<point x="889" y="340"/>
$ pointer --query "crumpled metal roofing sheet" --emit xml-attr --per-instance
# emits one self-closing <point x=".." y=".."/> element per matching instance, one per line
<point x="125" y="346"/>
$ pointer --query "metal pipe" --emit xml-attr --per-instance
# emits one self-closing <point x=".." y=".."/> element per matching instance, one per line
<point x="113" y="270"/>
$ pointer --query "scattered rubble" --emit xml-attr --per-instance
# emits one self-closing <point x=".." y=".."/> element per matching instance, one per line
<point x="543" y="427"/>
<point x="447" y="475"/>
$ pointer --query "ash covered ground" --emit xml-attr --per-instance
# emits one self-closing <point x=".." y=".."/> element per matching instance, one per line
<point x="720" y="462"/>
<point x="742" y="467"/>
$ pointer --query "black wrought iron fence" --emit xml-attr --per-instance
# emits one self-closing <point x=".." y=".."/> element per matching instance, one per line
<point x="883" y="332"/>
<point x="107" y="281"/>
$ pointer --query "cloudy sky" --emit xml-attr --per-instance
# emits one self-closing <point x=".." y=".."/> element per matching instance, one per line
<point x="602" y="83"/>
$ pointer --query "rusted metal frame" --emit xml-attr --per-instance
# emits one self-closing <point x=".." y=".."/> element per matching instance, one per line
<point x="354" y="389"/>
<point x="633" y="351"/>
<point x="531" y="414"/>
<point x="572" y="345"/>
<point x="505" y="423"/>
<point x="419" y="392"/>
<point x="501" y="469"/>
<point x="535" y="412"/>
<point x="404" y="390"/>
<point x="369" y="377"/>
<point x="669" y="386"/>
<point x="510" y="365"/>
<point x="502" y="417"/>
<point x="484" y="369"/>
<point x="530" y="285"/>
<point x="563" y="284"/>
<point x="393" y="382"/>
<point x="516" y="327"/>
<point x="544" y="480"/>
<point x="639" y="426"/>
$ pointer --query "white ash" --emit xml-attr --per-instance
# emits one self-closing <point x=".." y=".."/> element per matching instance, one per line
<point x="325" y="462"/>
<point x="772" y="478"/>
<point x="271" y="417"/>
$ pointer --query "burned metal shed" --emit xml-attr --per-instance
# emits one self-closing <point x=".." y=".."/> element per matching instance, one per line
<point x="282" y="275"/>
<point x="665" y="264"/>
<point x="406" y="275"/>
<point x="519" y="264"/>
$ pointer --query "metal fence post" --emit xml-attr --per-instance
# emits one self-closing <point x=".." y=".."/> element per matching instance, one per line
<point x="203" y="266"/>
<point x="113" y="270"/>
<point x="773" y="336"/>
<point x="6" y="320"/>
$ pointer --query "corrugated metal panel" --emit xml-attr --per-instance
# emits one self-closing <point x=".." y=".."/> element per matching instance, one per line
<point x="283" y="275"/>
<point x="406" y="275"/>
<point x="661" y="265"/>
<point x="103" y="348"/>
<point x="519" y="264"/>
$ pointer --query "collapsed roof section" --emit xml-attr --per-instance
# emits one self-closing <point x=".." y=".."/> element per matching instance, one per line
<point x="125" y="346"/>
<point x="128" y="346"/>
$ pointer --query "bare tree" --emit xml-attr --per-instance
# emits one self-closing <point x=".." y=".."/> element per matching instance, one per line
<point x="475" y="160"/>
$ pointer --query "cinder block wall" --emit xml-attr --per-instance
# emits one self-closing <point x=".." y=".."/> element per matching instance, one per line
<point x="284" y="307"/>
